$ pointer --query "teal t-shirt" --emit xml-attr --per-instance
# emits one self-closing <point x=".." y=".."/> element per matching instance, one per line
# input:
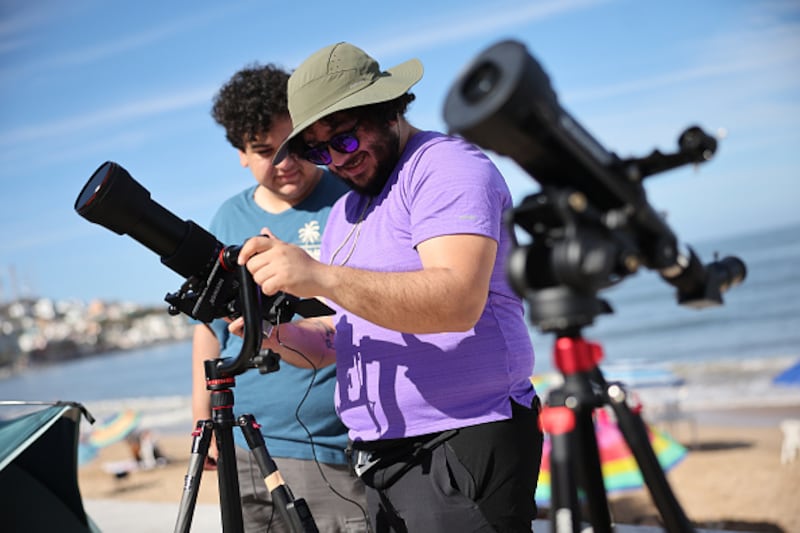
<point x="274" y="398"/>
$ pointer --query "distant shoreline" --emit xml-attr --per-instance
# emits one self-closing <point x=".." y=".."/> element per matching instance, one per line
<point x="22" y="367"/>
<point x="720" y="392"/>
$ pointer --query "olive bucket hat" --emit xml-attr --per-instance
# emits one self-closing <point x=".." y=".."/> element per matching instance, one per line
<point x="338" y="77"/>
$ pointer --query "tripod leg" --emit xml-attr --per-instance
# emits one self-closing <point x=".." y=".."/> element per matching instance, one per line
<point x="191" y="483"/>
<point x="575" y="455"/>
<point x="295" y="512"/>
<point x="590" y="471"/>
<point x="635" y="432"/>
<point x="227" y="474"/>
<point x="559" y="422"/>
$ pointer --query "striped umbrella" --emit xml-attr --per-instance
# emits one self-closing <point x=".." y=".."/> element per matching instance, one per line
<point x="114" y="428"/>
<point x="544" y="382"/>
<point x="86" y="452"/>
<point x="620" y="470"/>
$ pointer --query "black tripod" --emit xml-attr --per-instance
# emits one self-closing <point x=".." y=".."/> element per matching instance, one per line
<point x="294" y="511"/>
<point x="567" y="417"/>
<point x="561" y="291"/>
<point x="575" y="460"/>
<point x="220" y="379"/>
<point x="216" y="286"/>
<point x="591" y="226"/>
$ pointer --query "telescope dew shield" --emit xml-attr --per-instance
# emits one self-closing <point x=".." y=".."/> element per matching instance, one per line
<point x="114" y="200"/>
<point x="504" y="101"/>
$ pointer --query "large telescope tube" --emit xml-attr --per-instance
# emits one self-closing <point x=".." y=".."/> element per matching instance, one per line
<point x="114" y="200"/>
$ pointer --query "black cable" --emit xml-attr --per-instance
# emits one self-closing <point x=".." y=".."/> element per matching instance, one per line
<point x="308" y="433"/>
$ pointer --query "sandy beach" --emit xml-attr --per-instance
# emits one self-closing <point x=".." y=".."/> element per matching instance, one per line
<point x="731" y="479"/>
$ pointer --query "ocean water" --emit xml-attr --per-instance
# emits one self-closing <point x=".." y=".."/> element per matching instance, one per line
<point x="156" y="381"/>
<point x="725" y="355"/>
<point x="760" y="318"/>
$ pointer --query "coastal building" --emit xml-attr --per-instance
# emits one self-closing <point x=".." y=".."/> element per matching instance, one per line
<point x="42" y="330"/>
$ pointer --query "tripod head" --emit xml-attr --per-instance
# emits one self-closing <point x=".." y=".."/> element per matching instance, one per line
<point x="591" y="224"/>
<point x="215" y="287"/>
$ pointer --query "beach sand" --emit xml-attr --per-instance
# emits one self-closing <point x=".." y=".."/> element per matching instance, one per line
<point x="731" y="479"/>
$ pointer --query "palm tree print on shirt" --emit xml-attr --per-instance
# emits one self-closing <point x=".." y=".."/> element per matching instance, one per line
<point x="310" y="236"/>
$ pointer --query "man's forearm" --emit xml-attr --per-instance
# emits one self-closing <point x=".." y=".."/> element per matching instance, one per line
<point x="413" y="302"/>
<point x="204" y="346"/>
<point x="304" y="343"/>
<point x="448" y="293"/>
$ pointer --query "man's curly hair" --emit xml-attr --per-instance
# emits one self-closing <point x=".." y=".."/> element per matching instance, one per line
<point x="249" y="102"/>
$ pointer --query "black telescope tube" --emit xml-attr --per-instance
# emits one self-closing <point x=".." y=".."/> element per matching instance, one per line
<point x="504" y="102"/>
<point x="114" y="200"/>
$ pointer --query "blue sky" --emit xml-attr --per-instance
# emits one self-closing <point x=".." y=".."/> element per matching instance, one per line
<point x="86" y="81"/>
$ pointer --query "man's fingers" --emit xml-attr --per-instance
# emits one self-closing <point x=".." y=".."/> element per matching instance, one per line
<point x="253" y="246"/>
<point x="237" y="326"/>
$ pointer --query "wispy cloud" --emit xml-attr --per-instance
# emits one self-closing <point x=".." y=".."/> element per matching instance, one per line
<point x="70" y="58"/>
<point x="14" y="23"/>
<point x="484" y="22"/>
<point x="772" y="41"/>
<point x="772" y="48"/>
<point x="127" y="111"/>
<point x="471" y="23"/>
<point x="26" y="240"/>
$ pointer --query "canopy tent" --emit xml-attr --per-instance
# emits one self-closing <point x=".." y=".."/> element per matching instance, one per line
<point x="39" y="468"/>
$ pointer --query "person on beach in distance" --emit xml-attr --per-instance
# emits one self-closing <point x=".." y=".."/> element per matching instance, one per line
<point x="432" y="353"/>
<point x="294" y="198"/>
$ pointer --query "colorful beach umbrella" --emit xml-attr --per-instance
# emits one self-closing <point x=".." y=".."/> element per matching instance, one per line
<point x="620" y="470"/>
<point x="544" y="382"/>
<point x="114" y="428"/>
<point x="86" y="452"/>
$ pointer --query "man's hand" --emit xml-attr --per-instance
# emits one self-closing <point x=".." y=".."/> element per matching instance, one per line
<point x="305" y="343"/>
<point x="279" y="266"/>
<point x="269" y="339"/>
<point x="213" y="454"/>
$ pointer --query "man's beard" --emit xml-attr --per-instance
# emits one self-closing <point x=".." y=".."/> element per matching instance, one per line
<point x="386" y="151"/>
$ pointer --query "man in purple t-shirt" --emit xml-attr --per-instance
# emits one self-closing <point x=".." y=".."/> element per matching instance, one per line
<point x="432" y="353"/>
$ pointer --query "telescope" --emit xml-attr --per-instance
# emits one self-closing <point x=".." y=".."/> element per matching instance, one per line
<point x="216" y="286"/>
<point x="591" y="224"/>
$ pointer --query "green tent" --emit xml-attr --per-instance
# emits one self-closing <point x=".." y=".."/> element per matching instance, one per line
<point x="39" y="468"/>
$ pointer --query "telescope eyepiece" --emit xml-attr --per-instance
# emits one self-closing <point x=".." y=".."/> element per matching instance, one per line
<point x="480" y="82"/>
<point x="697" y="144"/>
<point x="730" y="271"/>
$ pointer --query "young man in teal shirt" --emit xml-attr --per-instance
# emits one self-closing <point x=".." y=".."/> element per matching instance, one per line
<point x="293" y="406"/>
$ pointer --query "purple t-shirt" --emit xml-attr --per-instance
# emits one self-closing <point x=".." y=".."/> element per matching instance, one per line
<point x="392" y="384"/>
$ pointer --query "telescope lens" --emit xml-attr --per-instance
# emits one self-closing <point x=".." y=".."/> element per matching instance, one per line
<point x="92" y="188"/>
<point x="112" y="198"/>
